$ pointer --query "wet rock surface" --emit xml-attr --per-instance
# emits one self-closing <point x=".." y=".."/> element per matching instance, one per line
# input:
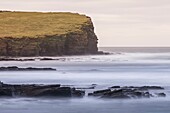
<point x="38" y="90"/>
<point x="15" y="59"/>
<point x="29" y="59"/>
<point x="43" y="58"/>
<point x="57" y="90"/>
<point x="118" y="92"/>
<point x="15" y="68"/>
<point x="103" y="53"/>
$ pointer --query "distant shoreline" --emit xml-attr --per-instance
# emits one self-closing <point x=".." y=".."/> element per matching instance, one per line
<point x="136" y="49"/>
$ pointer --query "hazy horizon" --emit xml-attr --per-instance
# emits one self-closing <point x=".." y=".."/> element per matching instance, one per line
<point x="129" y="23"/>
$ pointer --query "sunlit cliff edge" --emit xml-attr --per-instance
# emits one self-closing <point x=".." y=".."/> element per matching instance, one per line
<point x="46" y="34"/>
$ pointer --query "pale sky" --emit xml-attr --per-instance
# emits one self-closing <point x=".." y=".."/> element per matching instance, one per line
<point x="117" y="22"/>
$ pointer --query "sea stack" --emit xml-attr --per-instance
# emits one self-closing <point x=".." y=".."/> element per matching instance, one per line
<point x="46" y="34"/>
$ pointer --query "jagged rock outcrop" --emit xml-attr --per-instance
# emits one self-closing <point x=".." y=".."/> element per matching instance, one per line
<point x="77" y="39"/>
<point x="127" y="92"/>
<point x="38" y="90"/>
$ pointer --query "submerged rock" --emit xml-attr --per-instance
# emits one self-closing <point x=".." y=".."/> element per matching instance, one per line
<point x="118" y="92"/>
<point x="37" y="90"/>
<point x="16" y="59"/>
<point x="161" y="94"/>
<point x="15" y="68"/>
<point x="103" y="53"/>
<point x="115" y="87"/>
<point x="141" y="88"/>
<point x="151" y="88"/>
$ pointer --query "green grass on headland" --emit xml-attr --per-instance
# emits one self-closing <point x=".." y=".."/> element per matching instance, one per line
<point x="36" y="24"/>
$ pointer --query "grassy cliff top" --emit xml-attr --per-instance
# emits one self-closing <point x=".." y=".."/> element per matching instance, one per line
<point x="36" y="24"/>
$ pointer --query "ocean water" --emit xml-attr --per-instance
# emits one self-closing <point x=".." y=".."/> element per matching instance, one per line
<point x="125" y="67"/>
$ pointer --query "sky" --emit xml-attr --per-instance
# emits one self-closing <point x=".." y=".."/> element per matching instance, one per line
<point x="117" y="22"/>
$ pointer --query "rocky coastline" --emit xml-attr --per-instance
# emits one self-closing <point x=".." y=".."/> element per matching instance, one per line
<point x="15" y="68"/>
<point x="38" y="90"/>
<point x="57" y="90"/>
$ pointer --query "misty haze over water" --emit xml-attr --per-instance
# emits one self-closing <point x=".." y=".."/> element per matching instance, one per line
<point x="143" y="24"/>
<point x="127" y="68"/>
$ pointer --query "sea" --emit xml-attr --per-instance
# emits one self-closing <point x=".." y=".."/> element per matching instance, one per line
<point x="125" y="66"/>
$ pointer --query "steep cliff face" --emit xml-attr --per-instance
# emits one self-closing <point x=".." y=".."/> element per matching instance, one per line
<point x="82" y="40"/>
<point x="82" y="43"/>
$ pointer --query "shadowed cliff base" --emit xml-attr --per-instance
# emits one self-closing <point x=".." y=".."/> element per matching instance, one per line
<point x="46" y="34"/>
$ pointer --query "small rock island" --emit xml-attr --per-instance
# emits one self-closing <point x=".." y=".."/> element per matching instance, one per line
<point x="46" y="34"/>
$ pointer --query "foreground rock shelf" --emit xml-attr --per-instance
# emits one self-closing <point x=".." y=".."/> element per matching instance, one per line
<point x="56" y="90"/>
<point x="15" y="68"/>
<point x="117" y="92"/>
<point x="38" y="90"/>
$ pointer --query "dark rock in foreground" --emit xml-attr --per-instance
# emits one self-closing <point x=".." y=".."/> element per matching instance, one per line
<point x="15" y="68"/>
<point x="15" y="59"/>
<point x="33" y="90"/>
<point x="161" y="94"/>
<point x="56" y="90"/>
<point x="144" y="87"/>
<point x="117" y="92"/>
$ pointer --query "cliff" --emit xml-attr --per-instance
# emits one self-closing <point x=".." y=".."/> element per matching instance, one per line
<point x="46" y="34"/>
